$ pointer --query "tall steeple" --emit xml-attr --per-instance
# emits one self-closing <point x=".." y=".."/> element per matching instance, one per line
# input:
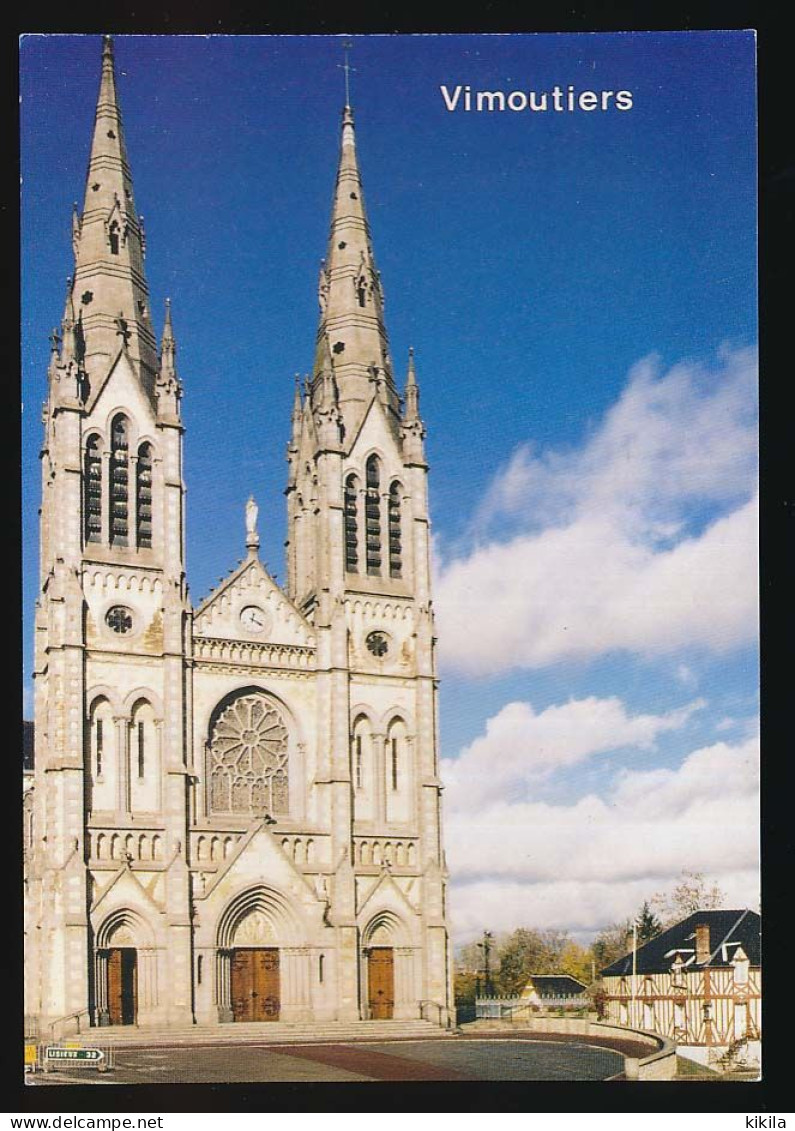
<point x="352" y="326"/>
<point x="109" y="280"/>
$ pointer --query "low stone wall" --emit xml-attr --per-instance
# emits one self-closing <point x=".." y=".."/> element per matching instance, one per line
<point x="659" y="1064"/>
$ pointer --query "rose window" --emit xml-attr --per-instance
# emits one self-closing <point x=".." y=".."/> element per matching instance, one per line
<point x="248" y="759"/>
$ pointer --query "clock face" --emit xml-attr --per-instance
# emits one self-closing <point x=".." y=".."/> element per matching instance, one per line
<point x="254" y="619"/>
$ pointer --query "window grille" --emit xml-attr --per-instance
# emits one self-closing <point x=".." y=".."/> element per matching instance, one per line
<point x="351" y="525"/>
<point x="372" y="514"/>
<point x="93" y="490"/>
<point x="119" y="483"/>
<point x="395" y="547"/>
<point x="143" y="489"/>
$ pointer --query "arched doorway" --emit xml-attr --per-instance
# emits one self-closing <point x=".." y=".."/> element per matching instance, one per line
<point x="122" y="985"/>
<point x="381" y="982"/>
<point x="262" y="968"/>
<point x="384" y="972"/>
<point x="255" y="984"/>
<point x="123" y="962"/>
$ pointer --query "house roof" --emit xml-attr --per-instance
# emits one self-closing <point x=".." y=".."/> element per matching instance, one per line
<point x="555" y="985"/>
<point x="727" y="931"/>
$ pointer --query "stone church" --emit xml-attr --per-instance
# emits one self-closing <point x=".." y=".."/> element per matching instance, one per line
<point x="236" y="807"/>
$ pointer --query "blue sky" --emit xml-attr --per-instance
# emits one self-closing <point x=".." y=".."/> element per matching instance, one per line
<point x="580" y="292"/>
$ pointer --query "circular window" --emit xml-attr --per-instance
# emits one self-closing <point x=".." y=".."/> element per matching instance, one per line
<point x="119" y="619"/>
<point x="377" y="644"/>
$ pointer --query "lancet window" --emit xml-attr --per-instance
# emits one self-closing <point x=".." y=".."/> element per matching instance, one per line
<point x="119" y="482"/>
<point x="372" y="511"/>
<point x="351" y="524"/>
<point x="395" y="543"/>
<point x="143" y="492"/>
<point x="93" y="490"/>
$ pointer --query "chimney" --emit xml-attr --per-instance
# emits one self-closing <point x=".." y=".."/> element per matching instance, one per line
<point x="702" y="942"/>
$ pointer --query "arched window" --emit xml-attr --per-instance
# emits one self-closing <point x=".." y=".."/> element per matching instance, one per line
<point x="248" y="757"/>
<point x="101" y="757"/>
<point x="92" y="484"/>
<point x="143" y="496"/>
<point x="395" y="767"/>
<point x="372" y="512"/>
<point x="119" y="482"/>
<point x="351" y="524"/>
<point x="144" y="759"/>
<point x="113" y="236"/>
<point x="99" y="745"/>
<point x="360" y="753"/>
<point x="395" y="546"/>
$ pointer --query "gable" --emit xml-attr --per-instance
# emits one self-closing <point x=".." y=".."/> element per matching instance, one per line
<point x="275" y="620"/>
<point x="120" y="389"/>
<point x="376" y="434"/>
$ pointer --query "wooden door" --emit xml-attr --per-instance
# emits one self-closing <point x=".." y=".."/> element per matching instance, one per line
<point x="122" y="986"/>
<point x="381" y="982"/>
<point x="255" y="984"/>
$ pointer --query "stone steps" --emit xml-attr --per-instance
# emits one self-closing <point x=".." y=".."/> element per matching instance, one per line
<point x="269" y="1032"/>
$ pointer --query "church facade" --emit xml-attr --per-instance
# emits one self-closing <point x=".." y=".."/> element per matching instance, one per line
<point x="236" y="809"/>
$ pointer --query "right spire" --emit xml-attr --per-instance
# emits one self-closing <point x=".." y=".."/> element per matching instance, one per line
<point x="352" y="326"/>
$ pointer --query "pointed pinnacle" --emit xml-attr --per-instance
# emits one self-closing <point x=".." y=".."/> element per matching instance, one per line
<point x="411" y="378"/>
<point x="69" y="310"/>
<point x="168" y="330"/>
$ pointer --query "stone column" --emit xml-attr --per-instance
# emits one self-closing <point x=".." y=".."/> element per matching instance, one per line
<point x="132" y="501"/>
<point x="122" y="763"/>
<point x="223" y="985"/>
<point x="105" y="499"/>
<point x="379" y="779"/>
<point x="101" y="1016"/>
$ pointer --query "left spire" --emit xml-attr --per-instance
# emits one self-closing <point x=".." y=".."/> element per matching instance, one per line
<point x="109" y="276"/>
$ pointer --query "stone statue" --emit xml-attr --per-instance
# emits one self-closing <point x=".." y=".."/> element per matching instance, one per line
<point x="252" y="538"/>
<point x="252" y="510"/>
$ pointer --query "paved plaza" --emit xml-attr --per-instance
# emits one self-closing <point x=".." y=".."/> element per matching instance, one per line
<point x="465" y="1058"/>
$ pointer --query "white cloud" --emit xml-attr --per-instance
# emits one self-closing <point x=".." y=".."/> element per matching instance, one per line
<point x="520" y="745"/>
<point x="612" y="547"/>
<point x="583" y="865"/>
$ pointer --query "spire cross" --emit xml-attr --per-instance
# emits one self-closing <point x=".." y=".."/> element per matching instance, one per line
<point x="347" y="68"/>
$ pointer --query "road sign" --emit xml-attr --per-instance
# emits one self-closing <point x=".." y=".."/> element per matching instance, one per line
<point x="90" y="1056"/>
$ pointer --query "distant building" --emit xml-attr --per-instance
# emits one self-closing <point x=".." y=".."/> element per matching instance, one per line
<point x="698" y="983"/>
<point x="555" y="991"/>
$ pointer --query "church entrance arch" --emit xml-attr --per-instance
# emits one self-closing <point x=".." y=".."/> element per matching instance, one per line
<point x="257" y="955"/>
<point x="123" y="958"/>
<point x="381" y="941"/>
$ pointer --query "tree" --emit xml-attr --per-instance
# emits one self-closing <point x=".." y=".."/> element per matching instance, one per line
<point x="612" y="943"/>
<point x="527" y="952"/>
<point x="649" y="926"/>
<point x="575" y="960"/>
<point x="693" y="893"/>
